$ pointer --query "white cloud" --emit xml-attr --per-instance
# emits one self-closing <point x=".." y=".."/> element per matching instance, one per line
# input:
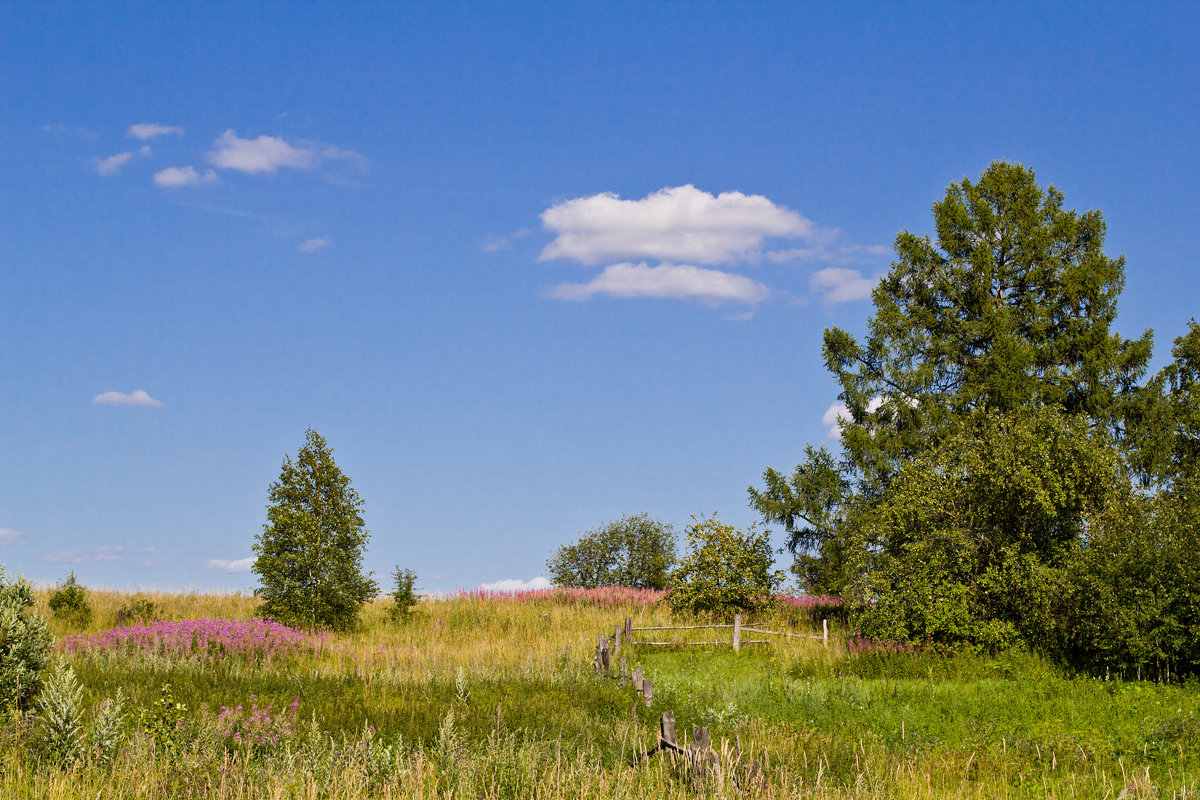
<point x="516" y="585"/>
<point x="135" y="398"/>
<point x="9" y="536"/>
<point x="825" y="251"/>
<point x="111" y="165"/>
<point x="174" y="177"/>
<point x="313" y="245"/>
<point x="681" y="282"/>
<point x="679" y="223"/>
<point x="226" y="565"/>
<point x="148" y="130"/>
<point x="840" y="285"/>
<point x="88" y="555"/>
<point x="264" y="154"/>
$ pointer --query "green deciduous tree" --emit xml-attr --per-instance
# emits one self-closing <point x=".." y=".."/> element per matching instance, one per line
<point x="1011" y="307"/>
<point x="311" y="548"/>
<point x="724" y="568"/>
<point x="635" y="550"/>
<point x="975" y="539"/>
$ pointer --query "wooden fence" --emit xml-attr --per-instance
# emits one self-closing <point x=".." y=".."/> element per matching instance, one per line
<point x="699" y="756"/>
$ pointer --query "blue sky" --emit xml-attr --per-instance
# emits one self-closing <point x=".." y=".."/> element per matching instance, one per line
<point x="527" y="267"/>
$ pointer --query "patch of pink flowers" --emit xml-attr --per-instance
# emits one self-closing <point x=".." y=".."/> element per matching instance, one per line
<point x="199" y="637"/>
<point x="808" y="603"/>
<point x="602" y="596"/>
<point x="256" y="727"/>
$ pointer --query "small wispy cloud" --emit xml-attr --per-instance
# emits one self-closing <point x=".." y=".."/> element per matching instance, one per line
<point x="138" y="397"/>
<point x="823" y="249"/>
<point x="9" y="537"/>
<point x="255" y="156"/>
<point x="89" y="555"/>
<point x="111" y="165"/>
<point x="516" y="585"/>
<point x="840" y="285"/>
<point x="313" y="245"/>
<point x="62" y="129"/>
<point x="239" y="565"/>
<point x="148" y="130"/>
<point x="175" y="177"/>
<point x="674" y="281"/>
<point x="494" y="243"/>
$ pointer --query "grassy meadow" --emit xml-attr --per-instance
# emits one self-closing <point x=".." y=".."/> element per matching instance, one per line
<point x="496" y="697"/>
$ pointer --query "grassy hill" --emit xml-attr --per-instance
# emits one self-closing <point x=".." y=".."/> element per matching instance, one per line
<point x="496" y="697"/>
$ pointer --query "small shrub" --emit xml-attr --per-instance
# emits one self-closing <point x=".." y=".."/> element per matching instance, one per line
<point x="724" y="569"/>
<point x="69" y="601"/>
<point x="164" y="721"/>
<point x="25" y="644"/>
<point x="404" y="595"/>
<point x="139" y="610"/>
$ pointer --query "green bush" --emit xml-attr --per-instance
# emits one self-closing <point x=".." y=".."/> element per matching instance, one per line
<point x="25" y="643"/>
<point x="139" y="610"/>
<point x="69" y="601"/>
<point x="404" y="595"/>
<point x="724" y="568"/>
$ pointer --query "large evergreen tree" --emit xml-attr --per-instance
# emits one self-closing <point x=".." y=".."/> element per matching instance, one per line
<point x="1010" y="308"/>
<point x="310" y="550"/>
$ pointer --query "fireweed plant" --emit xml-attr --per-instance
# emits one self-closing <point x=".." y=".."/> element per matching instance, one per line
<point x="200" y="638"/>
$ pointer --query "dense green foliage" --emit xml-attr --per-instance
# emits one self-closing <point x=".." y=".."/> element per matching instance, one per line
<point x="634" y="551"/>
<point x="25" y="643"/>
<point x="69" y="600"/>
<point x="723" y="568"/>
<point x="993" y="423"/>
<point x="404" y="593"/>
<point x="311" y="548"/>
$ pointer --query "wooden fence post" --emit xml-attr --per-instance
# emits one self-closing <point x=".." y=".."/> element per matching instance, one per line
<point x="637" y="679"/>
<point x="666" y="730"/>
<point x="621" y="664"/>
<point x="648" y="691"/>
<point x="605" y="663"/>
<point x="825" y="632"/>
<point x="628" y="629"/>
<point x="737" y="632"/>
<point x="121" y="618"/>
<point x="617" y="640"/>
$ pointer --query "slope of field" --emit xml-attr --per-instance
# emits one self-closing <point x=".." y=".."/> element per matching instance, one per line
<point x="497" y="697"/>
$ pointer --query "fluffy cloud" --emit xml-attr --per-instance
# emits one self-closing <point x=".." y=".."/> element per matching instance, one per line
<point x="175" y="177"/>
<point x="681" y="282"/>
<point x="679" y="223"/>
<point x="226" y="565"/>
<point x="516" y="585"/>
<point x="88" y="555"/>
<point x="148" y="130"/>
<point x="840" y="285"/>
<point x="135" y="398"/>
<point x="111" y="165"/>
<point x="313" y="245"/>
<point x="9" y="536"/>
<point x="264" y="154"/>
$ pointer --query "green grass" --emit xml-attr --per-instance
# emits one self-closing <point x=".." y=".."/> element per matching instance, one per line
<point x="496" y="698"/>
